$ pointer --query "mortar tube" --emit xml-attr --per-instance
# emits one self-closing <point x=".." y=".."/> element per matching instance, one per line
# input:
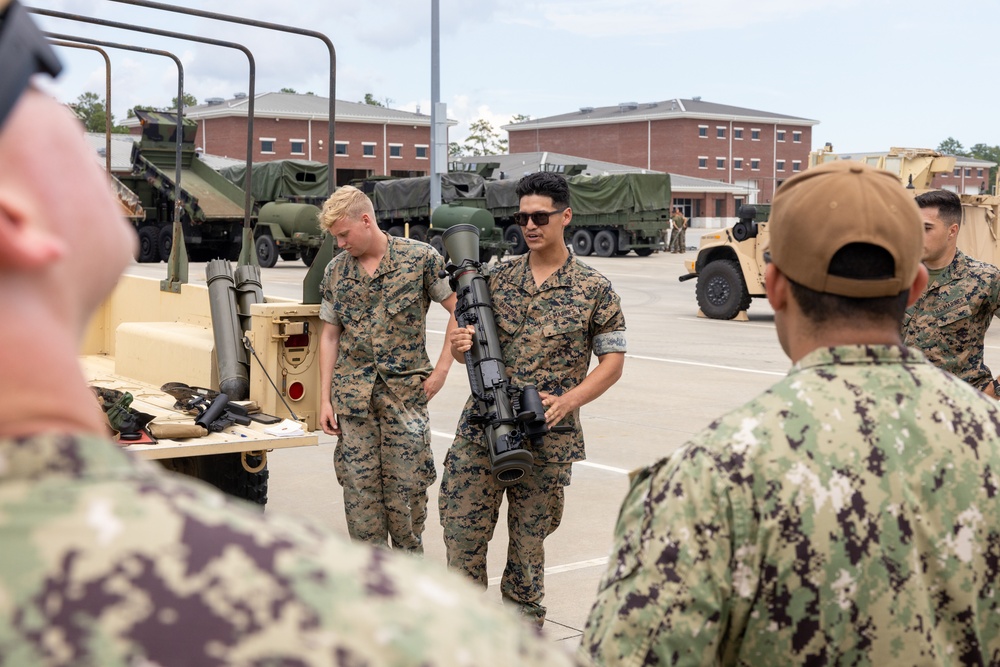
<point x="234" y="376"/>
<point x="248" y="292"/>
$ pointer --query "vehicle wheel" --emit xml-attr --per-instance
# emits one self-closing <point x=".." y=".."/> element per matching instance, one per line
<point x="308" y="255"/>
<point x="226" y="473"/>
<point x="166" y="242"/>
<point x="267" y="254"/>
<point x="583" y="242"/>
<point x="289" y="256"/>
<point x="148" y="250"/>
<point x="622" y="253"/>
<point x="721" y="291"/>
<point x="418" y="233"/>
<point x="643" y="252"/>
<point x="515" y="238"/>
<point x="605" y="243"/>
<point x="396" y="230"/>
<point x="437" y="242"/>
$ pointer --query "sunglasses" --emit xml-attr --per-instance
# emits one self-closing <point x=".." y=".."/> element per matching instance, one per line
<point x="540" y="218"/>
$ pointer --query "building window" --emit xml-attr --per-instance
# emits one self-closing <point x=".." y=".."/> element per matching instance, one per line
<point x="945" y="175"/>
<point x="755" y="164"/>
<point x="779" y="165"/>
<point x="737" y="163"/>
<point x="267" y="145"/>
<point x="781" y="135"/>
<point x="797" y="137"/>
<point x="298" y="146"/>
<point x="796" y="165"/>
<point x="368" y="149"/>
<point x="421" y="151"/>
<point x="958" y="171"/>
<point x="968" y="172"/>
<point x="979" y="173"/>
<point x="720" y="132"/>
<point x="720" y="163"/>
<point x="341" y="148"/>
<point x="703" y="131"/>
<point x="703" y="162"/>
<point x="720" y="208"/>
<point x="737" y="133"/>
<point x="396" y="150"/>
<point x="754" y="135"/>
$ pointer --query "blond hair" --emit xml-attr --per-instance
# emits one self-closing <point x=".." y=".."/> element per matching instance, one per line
<point x="346" y="202"/>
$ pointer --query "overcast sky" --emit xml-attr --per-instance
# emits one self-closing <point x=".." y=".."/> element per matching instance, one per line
<point x="874" y="73"/>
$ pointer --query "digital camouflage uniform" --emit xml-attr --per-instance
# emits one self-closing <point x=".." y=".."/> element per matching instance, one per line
<point x="547" y="335"/>
<point x="679" y="225"/>
<point x="383" y="457"/>
<point x="108" y="560"/>
<point x="948" y="322"/>
<point x="848" y="516"/>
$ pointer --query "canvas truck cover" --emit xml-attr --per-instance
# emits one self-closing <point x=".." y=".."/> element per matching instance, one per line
<point x="416" y="192"/>
<point x="591" y="195"/>
<point x="278" y="179"/>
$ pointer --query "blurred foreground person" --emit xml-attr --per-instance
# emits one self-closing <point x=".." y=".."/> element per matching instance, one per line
<point x="850" y="515"/>
<point x="106" y="560"/>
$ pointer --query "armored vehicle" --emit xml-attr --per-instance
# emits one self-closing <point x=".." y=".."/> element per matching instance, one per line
<point x="729" y="266"/>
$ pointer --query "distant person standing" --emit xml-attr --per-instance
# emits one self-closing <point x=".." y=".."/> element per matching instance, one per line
<point x="948" y="323"/>
<point x="375" y="376"/>
<point x="679" y="224"/>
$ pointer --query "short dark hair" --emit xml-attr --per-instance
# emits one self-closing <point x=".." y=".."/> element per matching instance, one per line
<point x="947" y="203"/>
<point x="861" y="261"/>
<point x="545" y="184"/>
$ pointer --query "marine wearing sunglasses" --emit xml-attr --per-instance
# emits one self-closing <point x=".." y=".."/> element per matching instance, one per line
<point x="540" y="218"/>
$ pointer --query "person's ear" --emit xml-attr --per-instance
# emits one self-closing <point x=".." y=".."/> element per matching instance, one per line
<point x="918" y="286"/>
<point x="567" y="215"/>
<point x="776" y="286"/>
<point x="24" y="245"/>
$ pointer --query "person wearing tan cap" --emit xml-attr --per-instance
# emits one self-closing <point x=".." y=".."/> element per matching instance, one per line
<point x="107" y="560"/>
<point x="948" y="323"/>
<point x="848" y="515"/>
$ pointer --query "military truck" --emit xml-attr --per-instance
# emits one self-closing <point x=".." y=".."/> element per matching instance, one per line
<point x="729" y="266"/>
<point x="612" y="214"/>
<point x="211" y="207"/>
<point x="287" y="195"/>
<point x="402" y="206"/>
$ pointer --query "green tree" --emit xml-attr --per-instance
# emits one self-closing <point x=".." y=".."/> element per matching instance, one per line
<point x="483" y="139"/>
<point x="370" y="99"/>
<point x="189" y="101"/>
<point x="952" y="146"/>
<point x="288" y="90"/>
<point x="519" y="118"/>
<point x="455" y="149"/>
<point x="93" y="114"/>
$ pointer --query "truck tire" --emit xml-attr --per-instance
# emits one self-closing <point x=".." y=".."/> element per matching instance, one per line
<point x="515" y="238"/>
<point x="165" y="242"/>
<point x="396" y="230"/>
<point x="721" y="292"/>
<point x="643" y="252"/>
<point x="149" y="250"/>
<point x="418" y="233"/>
<point x="605" y="243"/>
<point x="267" y="253"/>
<point x="290" y="256"/>
<point x="583" y="242"/>
<point x="309" y="255"/>
<point x="437" y="242"/>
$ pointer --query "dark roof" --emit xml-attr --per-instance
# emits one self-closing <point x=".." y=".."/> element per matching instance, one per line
<point x="301" y="106"/>
<point x="627" y="112"/>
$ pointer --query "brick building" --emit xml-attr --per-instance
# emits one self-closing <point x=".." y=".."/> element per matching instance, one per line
<point x="753" y="150"/>
<point x="370" y="140"/>
<point x="970" y="177"/>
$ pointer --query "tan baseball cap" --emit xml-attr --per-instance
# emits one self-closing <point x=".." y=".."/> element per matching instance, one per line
<point x="819" y="211"/>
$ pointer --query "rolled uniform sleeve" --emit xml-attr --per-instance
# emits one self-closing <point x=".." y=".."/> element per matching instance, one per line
<point x="665" y="598"/>
<point x="437" y="288"/>
<point x="608" y="324"/>
<point x="327" y="313"/>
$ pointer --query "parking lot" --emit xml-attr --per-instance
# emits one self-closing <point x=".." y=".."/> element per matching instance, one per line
<point x="681" y="372"/>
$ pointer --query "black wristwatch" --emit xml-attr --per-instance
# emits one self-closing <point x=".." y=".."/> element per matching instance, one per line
<point x="996" y="388"/>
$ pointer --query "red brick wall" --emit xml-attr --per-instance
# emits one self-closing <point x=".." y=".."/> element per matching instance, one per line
<point x="674" y="145"/>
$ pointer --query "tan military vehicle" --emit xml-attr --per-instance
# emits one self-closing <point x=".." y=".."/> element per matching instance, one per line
<point x="729" y="266"/>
